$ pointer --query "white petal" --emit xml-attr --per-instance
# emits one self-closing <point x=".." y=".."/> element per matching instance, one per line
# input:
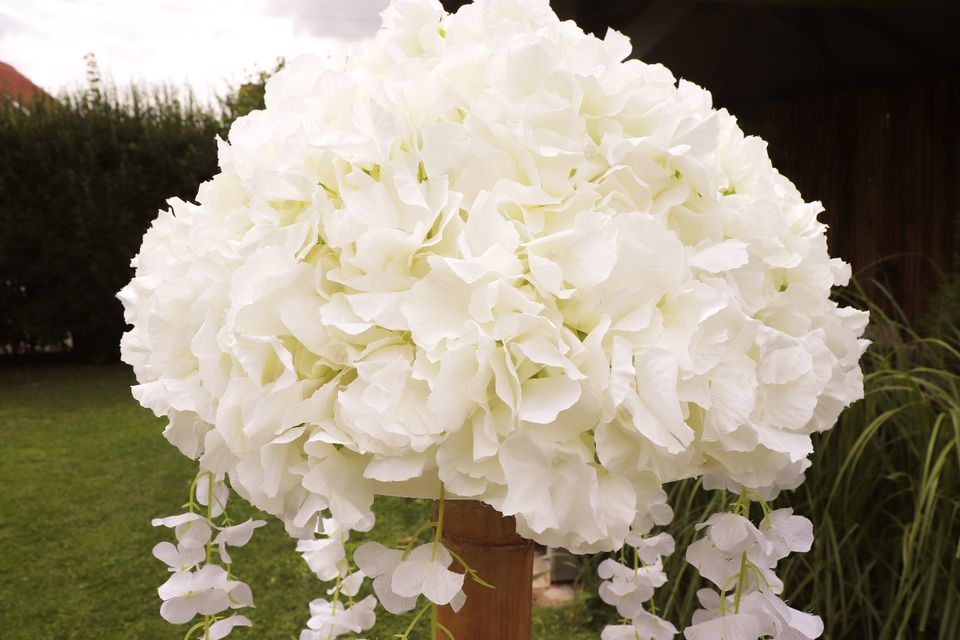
<point x="390" y="600"/>
<point x="618" y="632"/>
<point x="791" y="533"/>
<point x="351" y="584"/>
<point x="167" y="553"/>
<point x="458" y="601"/>
<point x="374" y="559"/>
<point x="239" y="534"/>
<point x="176" y="521"/>
<point x="240" y="595"/>
<point x="785" y="365"/>
<point x="542" y="399"/>
<point x="210" y="576"/>
<point x="722" y="256"/>
<point x="210" y="601"/>
<point x="729" y="531"/>
<point x="791" y="405"/>
<point x="437" y="307"/>
<point x="432" y="579"/>
<point x="396" y="468"/>
<point x="610" y="568"/>
<point x="178" y="610"/>
<point x="733" y="626"/>
<point x="656" y="407"/>
<point x="650" y="626"/>
<point x="323" y="556"/>
<point x="222" y="628"/>
<point x="220" y="494"/>
<point x="176" y="585"/>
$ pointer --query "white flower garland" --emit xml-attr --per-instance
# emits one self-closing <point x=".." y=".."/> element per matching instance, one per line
<point x="739" y="557"/>
<point x="487" y="253"/>
<point x="199" y="586"/>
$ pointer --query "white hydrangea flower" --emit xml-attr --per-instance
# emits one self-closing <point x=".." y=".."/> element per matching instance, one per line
<point x="487" y="250"/>
<point x="480" y="246"/>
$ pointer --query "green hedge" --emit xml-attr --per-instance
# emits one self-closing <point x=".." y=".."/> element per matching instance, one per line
<point x="81" y="177"/>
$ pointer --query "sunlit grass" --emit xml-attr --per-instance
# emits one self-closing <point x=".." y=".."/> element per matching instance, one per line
<point x="83" y="471"/>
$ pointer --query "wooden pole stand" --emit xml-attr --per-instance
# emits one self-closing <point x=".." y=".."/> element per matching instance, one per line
<point x="489" y="543"/>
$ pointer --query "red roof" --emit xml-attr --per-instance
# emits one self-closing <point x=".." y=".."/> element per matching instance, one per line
<point x="15" y="87"/>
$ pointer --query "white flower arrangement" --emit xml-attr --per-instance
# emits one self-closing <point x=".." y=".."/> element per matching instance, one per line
<point x="486" y="254"/>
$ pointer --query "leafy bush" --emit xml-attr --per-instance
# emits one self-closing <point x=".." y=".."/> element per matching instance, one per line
<point x="250" y="96"/>
<point x="80" y="180"/>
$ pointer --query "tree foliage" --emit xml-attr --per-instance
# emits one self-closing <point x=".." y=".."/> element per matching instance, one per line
<point x="81" y="178"/>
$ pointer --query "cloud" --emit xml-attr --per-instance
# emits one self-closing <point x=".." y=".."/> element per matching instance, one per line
<point x="209" y="45"/>
<point x="334" y="18"/>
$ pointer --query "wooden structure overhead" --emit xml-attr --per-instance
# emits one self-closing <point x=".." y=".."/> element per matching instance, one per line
<point x="747" y="51"/>
<point x="757" y="50"/>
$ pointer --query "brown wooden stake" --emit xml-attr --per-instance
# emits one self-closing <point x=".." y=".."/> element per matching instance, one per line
<point x="489" y="543"/>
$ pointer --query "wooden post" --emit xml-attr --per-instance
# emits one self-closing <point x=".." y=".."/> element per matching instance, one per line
<point x="489" y="543"/>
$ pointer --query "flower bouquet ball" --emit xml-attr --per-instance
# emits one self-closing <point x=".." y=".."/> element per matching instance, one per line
<point x="488" y="256"/>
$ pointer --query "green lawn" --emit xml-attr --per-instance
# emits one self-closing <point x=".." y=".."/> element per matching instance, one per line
<point x="84" y="470"/>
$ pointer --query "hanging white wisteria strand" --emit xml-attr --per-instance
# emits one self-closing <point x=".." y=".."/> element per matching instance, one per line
<point x="327" y="558"/>
<point x="629" y="584"/>
<point x="488" y="252"/>
<point x="739" y="558"/>
<point x="198" y="585"/>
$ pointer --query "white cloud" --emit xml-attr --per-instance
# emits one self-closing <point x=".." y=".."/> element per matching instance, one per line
<point x="208" y="44"/>
<point x="331" y="18"/>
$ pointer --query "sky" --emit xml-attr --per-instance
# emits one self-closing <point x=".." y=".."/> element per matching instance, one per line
<point x="208" y="44"/>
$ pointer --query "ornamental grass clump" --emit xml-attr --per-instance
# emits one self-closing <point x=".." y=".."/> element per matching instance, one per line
<point x="485" y="256"/>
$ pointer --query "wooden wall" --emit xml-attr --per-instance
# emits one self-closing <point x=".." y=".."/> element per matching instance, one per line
<point x="885" y="163"/>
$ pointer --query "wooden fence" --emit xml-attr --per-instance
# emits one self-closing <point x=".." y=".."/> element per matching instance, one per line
<point x="885" y="162"/>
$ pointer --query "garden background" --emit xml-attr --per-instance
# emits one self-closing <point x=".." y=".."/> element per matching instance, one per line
<point x="858" y="101"/>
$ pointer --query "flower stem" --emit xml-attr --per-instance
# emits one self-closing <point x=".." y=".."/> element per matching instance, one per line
<point x="741" y="579"/>
<point x="439" y="530"/>
<point x="190" y="631"/>
<point x="406" y="634"/>
<point x="471" y="572"/>
<point x="210" y="493"/>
